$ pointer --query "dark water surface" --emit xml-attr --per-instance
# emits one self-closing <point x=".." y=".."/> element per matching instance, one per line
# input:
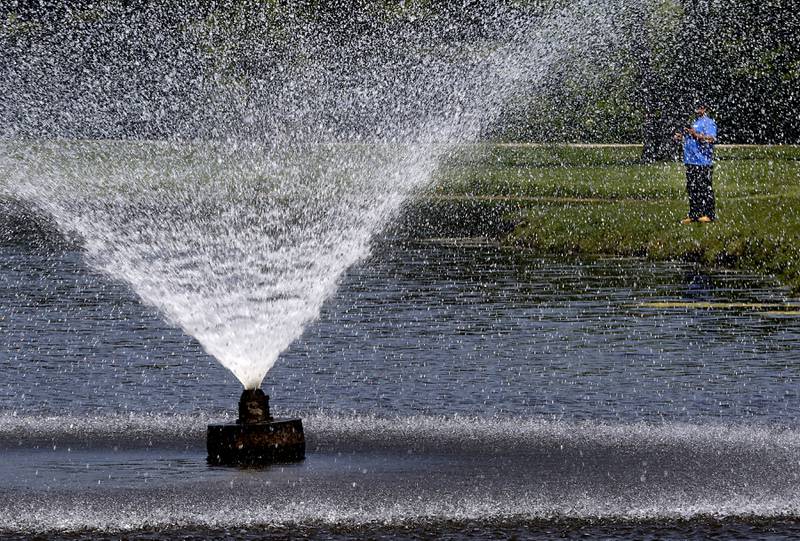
<point x="448" y="390"/>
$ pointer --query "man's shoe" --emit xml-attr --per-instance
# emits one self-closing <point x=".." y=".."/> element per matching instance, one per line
<point x="704" y="220"/>
<point x="687" y="220"/>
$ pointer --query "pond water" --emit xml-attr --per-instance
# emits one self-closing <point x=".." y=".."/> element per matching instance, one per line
<point x="451" y="388"/>
<point x="434" y="328"/>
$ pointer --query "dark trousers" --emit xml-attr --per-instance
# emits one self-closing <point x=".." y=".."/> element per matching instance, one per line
<point x="701" y="192"/>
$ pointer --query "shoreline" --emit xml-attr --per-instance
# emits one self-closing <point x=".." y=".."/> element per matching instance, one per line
<point x="598" y="201"/>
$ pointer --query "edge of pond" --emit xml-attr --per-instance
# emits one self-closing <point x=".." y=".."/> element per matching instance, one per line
<point x="604" y="227"/>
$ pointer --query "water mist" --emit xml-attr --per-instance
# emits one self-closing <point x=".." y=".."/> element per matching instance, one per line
<point x="230" y="166"/>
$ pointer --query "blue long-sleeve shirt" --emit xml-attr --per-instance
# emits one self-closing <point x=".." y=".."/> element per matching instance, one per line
<point x="695" y="152"/>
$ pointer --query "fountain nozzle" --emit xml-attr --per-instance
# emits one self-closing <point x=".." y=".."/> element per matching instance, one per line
<point x="253" y="407"/>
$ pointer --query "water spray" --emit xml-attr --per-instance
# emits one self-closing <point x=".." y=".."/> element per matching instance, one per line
<point x="255" y="163"/>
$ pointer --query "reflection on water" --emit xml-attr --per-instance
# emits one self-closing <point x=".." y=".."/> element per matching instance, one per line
<point x="431" y="328"/>
<point x="699" y="285"/>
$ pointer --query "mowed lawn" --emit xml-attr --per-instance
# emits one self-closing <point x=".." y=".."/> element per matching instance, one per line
<point x="600" y="200"/>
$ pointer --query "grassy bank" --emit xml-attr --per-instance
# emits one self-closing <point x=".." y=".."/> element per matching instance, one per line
<point x="599" y="200"/>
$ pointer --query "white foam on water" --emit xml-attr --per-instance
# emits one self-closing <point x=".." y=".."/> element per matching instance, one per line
<point x="435" y="434"/>
<point x="357" y="505"/>
<point x="365" y="470"/>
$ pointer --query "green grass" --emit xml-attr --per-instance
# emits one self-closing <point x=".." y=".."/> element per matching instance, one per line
<point x="609" y="173"/>
<point x="577" y="200"/>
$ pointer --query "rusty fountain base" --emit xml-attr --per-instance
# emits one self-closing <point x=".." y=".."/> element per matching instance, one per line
<point x="256" y="439"/>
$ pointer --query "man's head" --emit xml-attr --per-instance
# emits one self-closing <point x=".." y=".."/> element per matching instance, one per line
<point x="700" y="108"/>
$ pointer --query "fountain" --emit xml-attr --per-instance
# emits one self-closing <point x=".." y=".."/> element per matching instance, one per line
<point x="222" y="173"/>
<point x="232" y="190"/>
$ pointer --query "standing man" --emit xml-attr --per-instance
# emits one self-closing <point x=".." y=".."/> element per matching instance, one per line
<point x="698" y="157"/>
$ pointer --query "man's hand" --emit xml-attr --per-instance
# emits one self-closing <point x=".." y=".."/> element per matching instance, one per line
<point x="699" y="136"/>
